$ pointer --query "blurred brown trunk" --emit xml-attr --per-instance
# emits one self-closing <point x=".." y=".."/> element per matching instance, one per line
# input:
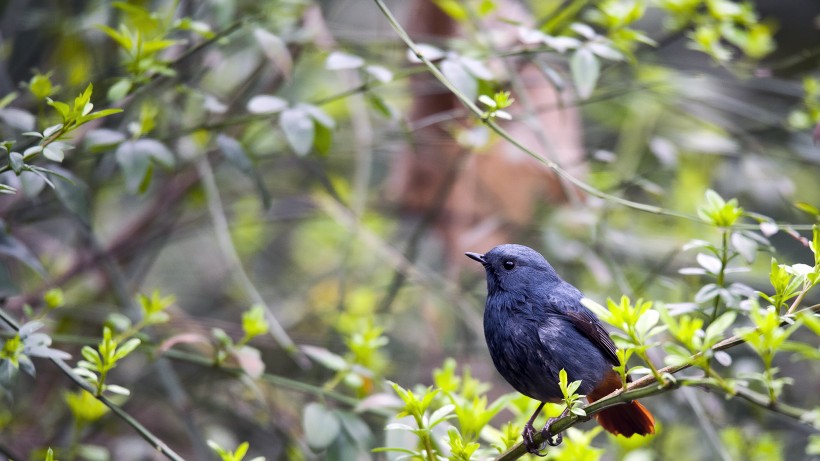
<point x="494" y="193"/>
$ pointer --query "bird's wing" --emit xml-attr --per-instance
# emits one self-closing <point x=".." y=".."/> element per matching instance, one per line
<point x="586" y="322"/>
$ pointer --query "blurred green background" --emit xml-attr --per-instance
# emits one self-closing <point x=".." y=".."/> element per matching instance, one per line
<point x="287" y="154"/>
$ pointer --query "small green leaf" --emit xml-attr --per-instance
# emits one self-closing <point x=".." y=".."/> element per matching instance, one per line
<point x="61" y="107"/>
<point x="120" y="90"/>
<point x="16" y="162"/>
<point x="716" y="328"/>
<point x="126" y="348"/>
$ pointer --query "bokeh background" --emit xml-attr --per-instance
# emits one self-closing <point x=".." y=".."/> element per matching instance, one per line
<point x="349" y="223"/>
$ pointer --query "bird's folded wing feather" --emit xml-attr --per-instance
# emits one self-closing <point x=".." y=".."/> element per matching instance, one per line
<point x="591" y="327"/>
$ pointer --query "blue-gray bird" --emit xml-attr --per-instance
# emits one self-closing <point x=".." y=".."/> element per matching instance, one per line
<point x="535" y="325"/>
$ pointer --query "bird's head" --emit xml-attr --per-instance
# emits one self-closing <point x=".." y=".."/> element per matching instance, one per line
<point x="515" y="268"/>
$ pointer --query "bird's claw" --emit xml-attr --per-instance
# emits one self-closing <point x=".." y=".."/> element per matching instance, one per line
<point x="529" y="442"/>
<point x="551" y="439"/>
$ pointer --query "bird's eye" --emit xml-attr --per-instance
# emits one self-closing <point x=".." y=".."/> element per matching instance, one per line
<point x="509" y="265"/>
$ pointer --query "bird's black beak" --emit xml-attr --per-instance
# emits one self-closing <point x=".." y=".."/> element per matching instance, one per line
<point x="476" y="257"/>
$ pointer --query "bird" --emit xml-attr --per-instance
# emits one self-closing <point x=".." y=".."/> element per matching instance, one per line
<point x="535" y="325"/>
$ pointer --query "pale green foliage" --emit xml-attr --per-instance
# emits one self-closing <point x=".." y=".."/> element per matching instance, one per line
<point x="637" y="322"/>
<point x="572" y="400"/>
<point x="496" y="105"/>
<point x="50" y="455"/>
<point x="766" y="338"/>
<point x="719" y="212"/>
<point x="577" y="446"/>
<point x="84" y="406"/>
<point x="235" y="455"/>
<point x="254" y="323"/>
<point x="98" y="362"/>
<point x="153" y="307"/>
<point x="808" y="113"/>
<point x="50" y="140"/>
<point x="54" y="298"/>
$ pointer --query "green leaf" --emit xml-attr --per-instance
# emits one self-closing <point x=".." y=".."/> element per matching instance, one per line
<point x="323" y="140"/>
<point x="16" y="162"/>
<point x="585" y="69"/>
<point x="807" y="208"/>
<point x="120" y="90"/>
<point x="646" y="321"/>
<point x="441" y="414"/>
<point x="121" y="37"/>
<point x="578" y="411"/>
<point x="8" y="99"/>
<point x="299" y="129"/>
<point x="61" y="107"/>
<point x="716" y="328"/>
<point x="98" y="114"/>
<point x="321" y="426"/>
<point x="126" y="348"/>
<point x="54" y="152"/>
<point x="709" y="262"/>
<point x="382" y="107"/>
<point x="454" y="9"/>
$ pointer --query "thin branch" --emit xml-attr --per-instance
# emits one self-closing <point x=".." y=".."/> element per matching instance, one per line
<point x="208" y="362"/>
<point x="226" y="246"/>
<point x="146" y="434"/>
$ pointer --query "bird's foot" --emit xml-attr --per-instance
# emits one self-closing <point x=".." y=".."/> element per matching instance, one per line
<point x="529" y="442"/>
<point x="551" y="439"/>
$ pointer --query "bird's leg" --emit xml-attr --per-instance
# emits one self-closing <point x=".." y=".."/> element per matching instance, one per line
<point x="549" y="436"/>
<point x="529" y="432"/>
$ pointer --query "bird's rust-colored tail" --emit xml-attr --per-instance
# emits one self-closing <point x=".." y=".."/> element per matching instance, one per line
<point x="628" y="419"/>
